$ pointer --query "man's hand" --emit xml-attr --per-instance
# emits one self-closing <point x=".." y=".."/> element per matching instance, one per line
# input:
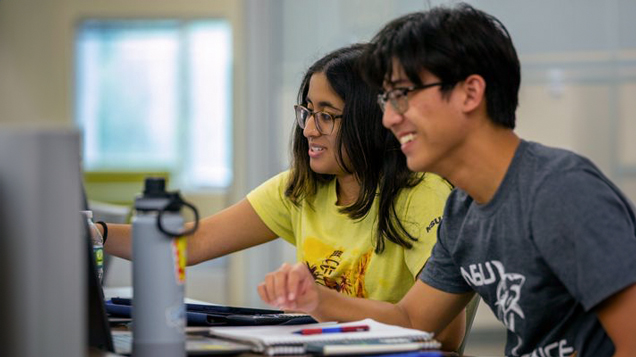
<point x="291" y="288"/>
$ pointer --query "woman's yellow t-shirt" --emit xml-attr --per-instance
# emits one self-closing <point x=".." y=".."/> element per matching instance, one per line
<point x="339" y="251"/>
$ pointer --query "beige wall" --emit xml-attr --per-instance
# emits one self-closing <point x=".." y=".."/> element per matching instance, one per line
<point x="627" y="124"/>
<point x="584" y="102"/>
<point x="34" y="61"/>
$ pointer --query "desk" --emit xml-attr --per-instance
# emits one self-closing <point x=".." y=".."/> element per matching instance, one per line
<point x="127" y="292"/>
<point x="98" y="353"/>
<point x="203" y="331"/>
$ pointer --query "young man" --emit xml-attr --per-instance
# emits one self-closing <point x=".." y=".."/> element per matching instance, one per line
<point x="540" y="233"/>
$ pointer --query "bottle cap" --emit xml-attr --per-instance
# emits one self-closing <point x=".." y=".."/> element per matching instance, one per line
<point x="155" y="187"/>
<point x="155" y="197"/>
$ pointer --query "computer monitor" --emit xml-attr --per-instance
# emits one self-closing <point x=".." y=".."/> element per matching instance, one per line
<point x="42" y="255"/>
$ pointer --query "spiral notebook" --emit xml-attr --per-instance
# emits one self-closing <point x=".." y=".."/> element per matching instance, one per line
<point x="285" y="340"/>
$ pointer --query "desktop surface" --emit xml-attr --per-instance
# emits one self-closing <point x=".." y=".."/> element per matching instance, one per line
<point x="99" y="353"/>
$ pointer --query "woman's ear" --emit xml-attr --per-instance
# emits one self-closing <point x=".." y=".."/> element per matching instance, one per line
<point x="474" y="88"/>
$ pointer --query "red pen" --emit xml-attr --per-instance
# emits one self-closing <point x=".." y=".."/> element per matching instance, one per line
<point x="338" y="329"/>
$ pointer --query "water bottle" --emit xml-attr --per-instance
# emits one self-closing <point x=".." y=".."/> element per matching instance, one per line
<point x="159" y="260"/>
<point x="98" y="244"/>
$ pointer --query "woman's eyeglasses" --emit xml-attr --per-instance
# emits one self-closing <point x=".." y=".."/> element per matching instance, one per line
<point x="398" y="97"/>
<point x="324" y="121"/>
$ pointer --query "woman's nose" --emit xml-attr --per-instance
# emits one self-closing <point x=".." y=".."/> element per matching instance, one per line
<point x="310" y="127"/>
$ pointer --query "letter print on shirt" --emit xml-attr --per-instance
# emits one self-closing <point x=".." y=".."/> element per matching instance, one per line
<point x="509" y="293"/>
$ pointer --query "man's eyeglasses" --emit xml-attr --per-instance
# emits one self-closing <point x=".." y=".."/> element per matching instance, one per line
<point x="324" y="121"/>
<point x="398" y="97"/>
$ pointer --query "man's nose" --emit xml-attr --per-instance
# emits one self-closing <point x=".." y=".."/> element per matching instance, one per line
<point x="390" y="116"/>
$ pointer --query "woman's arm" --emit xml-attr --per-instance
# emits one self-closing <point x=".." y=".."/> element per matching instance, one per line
<point x="234" y="228"/>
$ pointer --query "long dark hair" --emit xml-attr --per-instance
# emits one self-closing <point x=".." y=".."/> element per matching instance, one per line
<point x="373" y="152"/>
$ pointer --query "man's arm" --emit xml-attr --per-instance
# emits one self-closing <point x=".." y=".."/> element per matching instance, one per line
<point x="618" y="316"/>
<point x="423" y="307"/>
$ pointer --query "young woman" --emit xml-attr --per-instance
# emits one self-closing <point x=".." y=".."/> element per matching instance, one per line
<point x="361" y="221"/>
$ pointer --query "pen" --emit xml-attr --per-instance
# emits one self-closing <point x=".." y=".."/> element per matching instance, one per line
<point x="339" y="329"/>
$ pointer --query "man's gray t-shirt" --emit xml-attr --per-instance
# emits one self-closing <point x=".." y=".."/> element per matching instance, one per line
<point x="556" y="239"/>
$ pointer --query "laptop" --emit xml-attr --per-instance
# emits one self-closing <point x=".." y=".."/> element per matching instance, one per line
<point x="101" y="337"/>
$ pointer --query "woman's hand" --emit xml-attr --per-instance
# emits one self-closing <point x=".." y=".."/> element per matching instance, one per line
<point x="291" y="288"/>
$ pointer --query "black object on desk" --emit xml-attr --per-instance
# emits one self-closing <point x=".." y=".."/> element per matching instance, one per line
<point x="215" y="315"/>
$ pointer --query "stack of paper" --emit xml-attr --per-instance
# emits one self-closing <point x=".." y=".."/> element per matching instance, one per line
<point x="282" y="339"/>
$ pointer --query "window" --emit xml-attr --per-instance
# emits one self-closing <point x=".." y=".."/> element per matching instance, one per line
<point x="156" y="95"/>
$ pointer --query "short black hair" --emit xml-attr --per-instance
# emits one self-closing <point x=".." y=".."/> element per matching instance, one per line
<point x="451" y="43"/>
<point x="373" y="152"/>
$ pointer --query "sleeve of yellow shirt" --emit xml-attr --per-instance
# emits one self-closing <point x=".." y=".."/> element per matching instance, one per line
<point x="424" y="205"/>
<point x="271" y="205"/>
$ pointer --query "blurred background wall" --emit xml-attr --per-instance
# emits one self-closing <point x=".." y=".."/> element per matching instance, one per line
<point x="578" y="89"/>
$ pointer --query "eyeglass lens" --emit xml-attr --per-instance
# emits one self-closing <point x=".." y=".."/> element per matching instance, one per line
<point x="324" y="121"/>
<point x="397" y="98"/>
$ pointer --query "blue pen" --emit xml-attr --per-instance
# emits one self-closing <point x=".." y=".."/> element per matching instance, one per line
<point x="339" y="329"/>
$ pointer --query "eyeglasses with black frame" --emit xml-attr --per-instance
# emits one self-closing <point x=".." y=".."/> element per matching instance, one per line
<point x="398" y="97"/>
<point x="324" y="121"/>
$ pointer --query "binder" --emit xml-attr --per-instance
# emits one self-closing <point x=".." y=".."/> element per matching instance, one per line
<point x="285" y="340"/>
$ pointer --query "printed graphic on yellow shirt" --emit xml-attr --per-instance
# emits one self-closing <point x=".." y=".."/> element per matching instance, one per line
<point x="335" y="268"/>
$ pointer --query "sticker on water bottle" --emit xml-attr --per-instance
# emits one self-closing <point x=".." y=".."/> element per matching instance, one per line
<point x="99" y="255"/>
<point x="175" y="317"/>
<point x="179" y="255"/>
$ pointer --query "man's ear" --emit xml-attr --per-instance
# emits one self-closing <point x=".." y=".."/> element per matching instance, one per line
<point x="474" y="88"/>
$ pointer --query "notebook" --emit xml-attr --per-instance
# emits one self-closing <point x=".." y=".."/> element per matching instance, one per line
<point x="371" y="347"/>
<point x="101" y="337"/>
<point x="286" y="340"/>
